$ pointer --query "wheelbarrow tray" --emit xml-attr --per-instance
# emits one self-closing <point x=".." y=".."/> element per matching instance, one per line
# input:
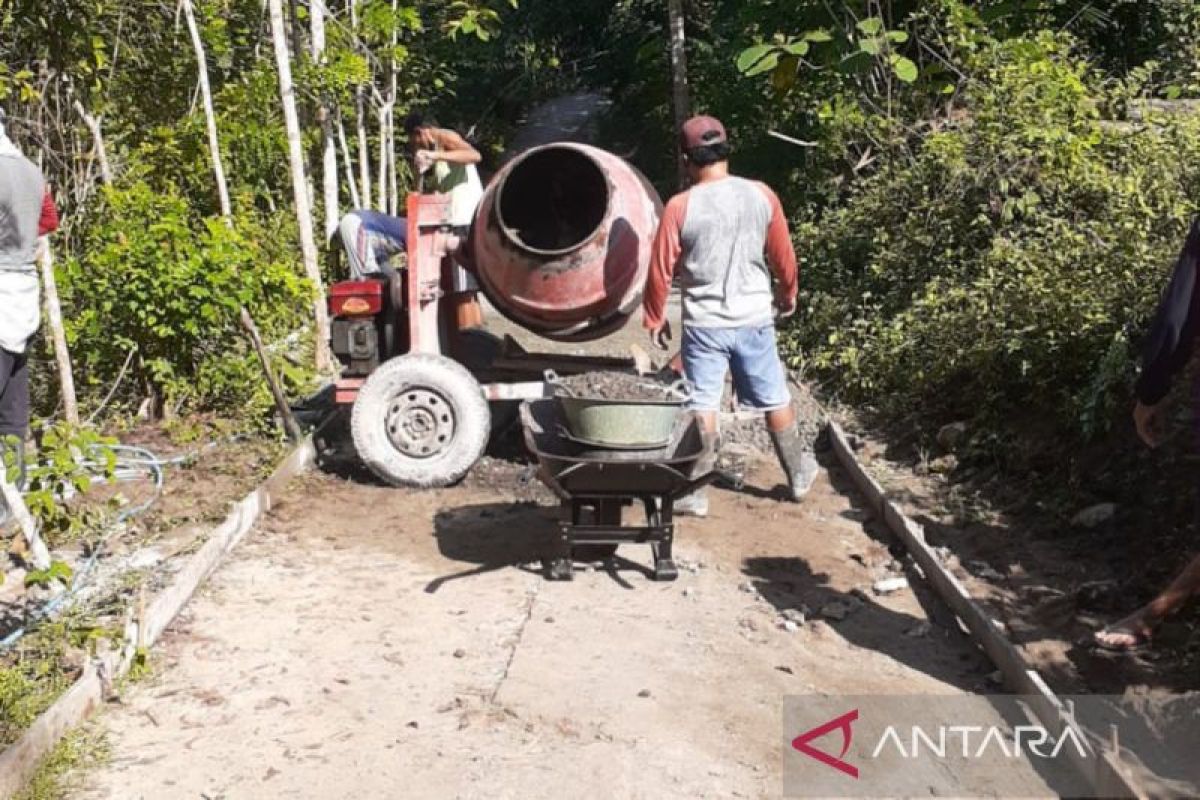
<point x="573" y="469"/>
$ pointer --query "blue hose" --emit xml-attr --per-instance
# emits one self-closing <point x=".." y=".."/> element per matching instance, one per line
<point x="132" y="463"/>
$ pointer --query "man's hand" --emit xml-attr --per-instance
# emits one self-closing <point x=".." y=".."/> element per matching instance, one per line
<point x="784" y="307"/>
<point x="1148" y="420"/>
<point x="661" y="336"/>
<point x="424" y="160"/>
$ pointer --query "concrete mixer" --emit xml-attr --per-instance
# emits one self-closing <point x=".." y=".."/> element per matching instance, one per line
<point x="560" y="245"/>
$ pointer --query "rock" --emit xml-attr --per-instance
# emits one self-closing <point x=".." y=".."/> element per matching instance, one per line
<point x="789" y="626"/>
<point x="688" y="592"/>
<point x="794" y="615"/>
<point x="889" y="585"/>
<point x="460" y="653"/>
<point x="951" y="436"/>
<point x="644" y="693"/>
<point x="943" y="554"/>
<point x="786" y="670"/>
<point x="919" y="630"/>
<point x="1093" y="516"/>
<point x="944" y="465"/>
<point x="748" y="587"/>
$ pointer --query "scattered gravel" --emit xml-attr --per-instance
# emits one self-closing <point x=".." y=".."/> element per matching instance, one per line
<point x="618" y="386"/>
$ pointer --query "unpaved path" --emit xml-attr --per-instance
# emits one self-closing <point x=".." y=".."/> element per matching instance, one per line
<point x="375" y="642"/>
<point x="372" y="642"/>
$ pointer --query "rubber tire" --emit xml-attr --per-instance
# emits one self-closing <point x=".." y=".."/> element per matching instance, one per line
<point x="454" y="383"/>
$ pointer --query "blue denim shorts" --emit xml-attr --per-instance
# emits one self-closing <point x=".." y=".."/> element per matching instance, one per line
<point x="750" y="353"/>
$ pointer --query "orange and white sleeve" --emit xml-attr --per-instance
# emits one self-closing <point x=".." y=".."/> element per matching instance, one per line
<point x="664" y="257"/>
<point x="781" y="254"/>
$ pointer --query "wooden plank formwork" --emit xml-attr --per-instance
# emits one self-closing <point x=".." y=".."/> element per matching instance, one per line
<point x="1103" y="771"/>
<point x="20" y="760"/>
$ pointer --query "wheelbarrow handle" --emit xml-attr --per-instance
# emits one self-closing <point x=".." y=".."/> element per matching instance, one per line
<point x="702" y="481"/>
<point x="551" y="377"/>
<point x="682" y="389"/>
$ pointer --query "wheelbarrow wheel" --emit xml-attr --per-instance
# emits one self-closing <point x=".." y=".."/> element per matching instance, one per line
<point x="420" y="420"/>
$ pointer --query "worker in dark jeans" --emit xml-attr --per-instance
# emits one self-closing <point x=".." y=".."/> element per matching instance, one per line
<point x="1168" y="349"/>
<point x="27" y="212"/>
<point x="728" y="238"/>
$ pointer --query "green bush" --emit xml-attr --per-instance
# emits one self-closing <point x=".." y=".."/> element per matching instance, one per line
<point x="1004" y="269"/>
<point x="152" y="276"/>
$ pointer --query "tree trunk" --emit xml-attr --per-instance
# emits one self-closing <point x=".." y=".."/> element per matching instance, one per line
<point x="679" y="82"/>
<point x="308" y="246"/>
<point x="364" y="149"/>
<point x="93" y="125"/>
<point x="210" y="117"/>
<point x="329" y="165"/>
<point x="393" y="198"/>
<point x="385" y="113"/>
<point x="360" y="128"/>
<point x="349" y="164"/>
<point x="54" y="319"/>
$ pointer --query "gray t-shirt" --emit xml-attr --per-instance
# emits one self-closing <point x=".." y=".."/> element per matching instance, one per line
<point x="723" y="269"/>
<point x="22" y="190"/>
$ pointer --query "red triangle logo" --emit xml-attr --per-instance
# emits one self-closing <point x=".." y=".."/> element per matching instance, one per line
<point x="843" y="723"/>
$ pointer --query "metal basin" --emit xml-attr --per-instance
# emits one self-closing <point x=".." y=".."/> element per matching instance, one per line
<point x="623" y="424"/>
<point x="605" y="422"/>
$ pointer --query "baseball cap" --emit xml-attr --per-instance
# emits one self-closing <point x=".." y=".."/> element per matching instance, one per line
<point x="702" y="131"/>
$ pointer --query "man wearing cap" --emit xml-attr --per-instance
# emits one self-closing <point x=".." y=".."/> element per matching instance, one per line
<point x="27" y="212"/>
<point x="728" y="240"/>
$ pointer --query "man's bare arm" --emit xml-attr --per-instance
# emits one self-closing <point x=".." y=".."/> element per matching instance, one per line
<point x="454" y="149"/>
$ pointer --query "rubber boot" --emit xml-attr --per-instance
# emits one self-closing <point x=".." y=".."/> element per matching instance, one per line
<point x="797" y="460"/>
<point x="695" y="504"/>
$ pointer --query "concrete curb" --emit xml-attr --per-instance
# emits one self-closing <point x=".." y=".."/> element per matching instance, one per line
<point x="20" y="761"/>
<point x="1103" y="772"/>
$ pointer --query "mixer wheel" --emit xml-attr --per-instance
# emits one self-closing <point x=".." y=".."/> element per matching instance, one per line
<point x="420" y="420"/>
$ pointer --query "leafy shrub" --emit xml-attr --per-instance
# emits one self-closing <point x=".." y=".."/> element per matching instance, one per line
<point x="152" y="276"/>
<point x="1003" y="270"/>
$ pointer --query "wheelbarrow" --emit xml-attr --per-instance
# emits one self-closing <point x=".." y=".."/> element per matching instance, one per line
<point x="595" y="484"/>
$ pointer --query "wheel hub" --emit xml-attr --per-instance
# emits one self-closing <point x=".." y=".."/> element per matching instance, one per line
<point x="420" y="423"/>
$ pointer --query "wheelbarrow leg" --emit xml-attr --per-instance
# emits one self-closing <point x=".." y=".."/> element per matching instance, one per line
<point x="605" y="512"/>
<point x="558" y="564"/>
<point x="660" y="514"/>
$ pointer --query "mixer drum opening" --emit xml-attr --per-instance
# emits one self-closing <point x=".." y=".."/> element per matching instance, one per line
<point x="553" y="200"/>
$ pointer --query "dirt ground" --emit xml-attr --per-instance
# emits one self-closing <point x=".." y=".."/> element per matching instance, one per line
<point x="369" y="641"/>
<point x="1053" y="582"/>
<point x="375" y="642"/>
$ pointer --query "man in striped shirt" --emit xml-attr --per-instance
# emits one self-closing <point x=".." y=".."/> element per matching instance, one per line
<point x="728" y="239"/>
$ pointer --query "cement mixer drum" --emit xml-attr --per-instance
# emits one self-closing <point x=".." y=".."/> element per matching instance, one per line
<point x="562" y="238"/>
